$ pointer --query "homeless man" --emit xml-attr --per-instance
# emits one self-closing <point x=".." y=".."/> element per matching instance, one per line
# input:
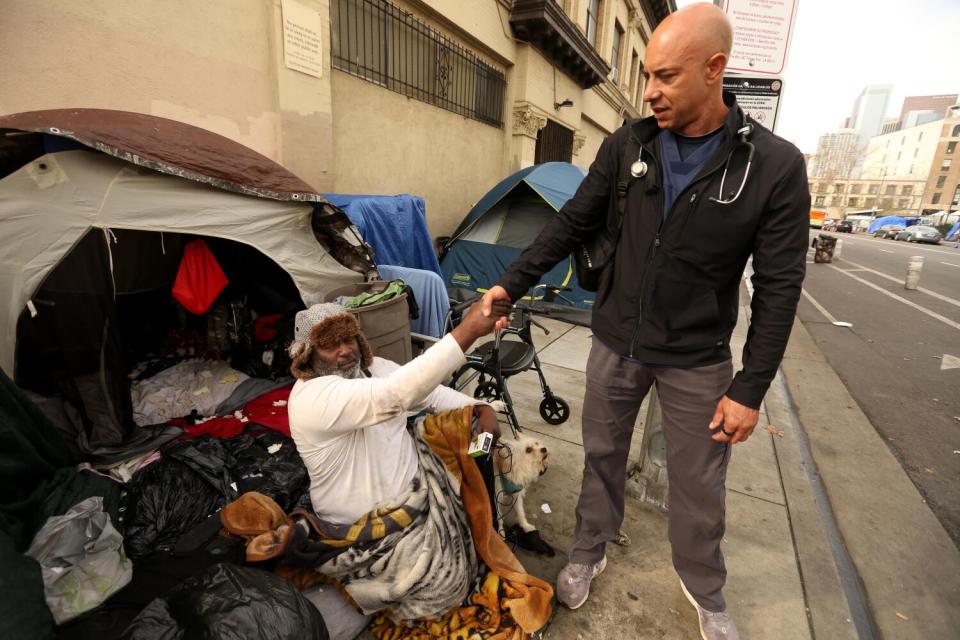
<point x="368" y="476"/>
<point x="709" y="188"/>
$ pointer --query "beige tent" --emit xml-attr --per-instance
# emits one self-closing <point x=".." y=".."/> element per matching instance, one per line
<point x="94" y="205"/>
<point x="51" y="203"/>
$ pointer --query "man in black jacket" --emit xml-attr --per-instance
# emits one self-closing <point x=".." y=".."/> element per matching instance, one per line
<point x="709" y="189"/>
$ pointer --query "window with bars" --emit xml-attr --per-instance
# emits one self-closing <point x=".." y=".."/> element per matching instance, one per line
<point x="381" y="43"/>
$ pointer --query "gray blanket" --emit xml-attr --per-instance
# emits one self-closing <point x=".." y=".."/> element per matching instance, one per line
<point x="424" y="569"/>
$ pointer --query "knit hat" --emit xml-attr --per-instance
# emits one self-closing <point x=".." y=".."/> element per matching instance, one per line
<point x="323" y="326"/>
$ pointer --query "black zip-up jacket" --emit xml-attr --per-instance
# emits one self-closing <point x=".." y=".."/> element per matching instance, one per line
<point x="670" y="295"/>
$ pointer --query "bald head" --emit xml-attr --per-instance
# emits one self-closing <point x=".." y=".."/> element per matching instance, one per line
<point x="701" y="29"/>
<point x="684" y="67"/>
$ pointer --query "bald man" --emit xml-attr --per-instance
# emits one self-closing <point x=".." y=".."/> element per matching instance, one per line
<point x="708" y="189"/>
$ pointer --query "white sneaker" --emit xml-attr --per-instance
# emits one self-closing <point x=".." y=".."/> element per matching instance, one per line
<point x="573" y="583"/>
<point x="714" y="625"/>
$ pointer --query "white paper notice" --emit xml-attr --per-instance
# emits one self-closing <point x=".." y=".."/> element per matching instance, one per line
<point x="761" y="34"/>
<point x="302" y="44"/>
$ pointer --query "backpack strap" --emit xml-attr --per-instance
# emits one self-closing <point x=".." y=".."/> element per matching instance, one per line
<point x="631" y="153"/>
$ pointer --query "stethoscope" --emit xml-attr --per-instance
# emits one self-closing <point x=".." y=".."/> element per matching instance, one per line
<point x="639" y="168"/>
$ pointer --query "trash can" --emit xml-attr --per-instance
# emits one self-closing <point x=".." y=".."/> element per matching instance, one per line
<point x="385" y="324"/>
<point x="824" y="246"/>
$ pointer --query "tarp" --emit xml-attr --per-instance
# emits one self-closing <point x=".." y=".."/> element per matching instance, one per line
<point x="954" y="230"/>
<point x="879" y="222"/>
<point x="48" y="205"/>
<point x="395" y="226"/>
<point x="555" y="182"/>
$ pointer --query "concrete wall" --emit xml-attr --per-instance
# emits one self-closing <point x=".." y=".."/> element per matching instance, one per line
<point x="216" y="64"/>
<point x="407" y="146"/>
<point x="907" y="153"/>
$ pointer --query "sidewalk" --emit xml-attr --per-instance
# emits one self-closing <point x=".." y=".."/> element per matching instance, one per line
<point x="781" y="545"/>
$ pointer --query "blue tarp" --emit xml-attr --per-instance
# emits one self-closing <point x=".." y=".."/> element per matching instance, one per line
<point x="952" y="234"/>
<point x="395" y="226"/>
<point x="555" y="182"/>
<point x="879" y="222"/>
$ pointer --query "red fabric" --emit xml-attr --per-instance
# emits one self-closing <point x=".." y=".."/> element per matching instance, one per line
<point x="261" y="410"/>
<point x="199" y="279"/>
<point x="265" y="328"/>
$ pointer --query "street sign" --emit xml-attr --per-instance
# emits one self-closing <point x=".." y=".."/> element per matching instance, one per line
<point x="759" y="97"/>
<point x="761" y="34"/>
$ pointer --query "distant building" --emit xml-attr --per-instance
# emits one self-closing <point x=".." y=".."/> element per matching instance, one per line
<point x="906" y="154"/>
<point x="938" y="104"/>
<point x="890" y="125"/>
<point x="837" y="155"/>
<point x="869" y="110"/>
<point x="881" y="195"/>
<point x="942" y="191"/>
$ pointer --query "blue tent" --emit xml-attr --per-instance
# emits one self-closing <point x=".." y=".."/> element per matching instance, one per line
<point x="505" y="221"/>
<point x="395" y="226"/>
<point x="879" y="222"/>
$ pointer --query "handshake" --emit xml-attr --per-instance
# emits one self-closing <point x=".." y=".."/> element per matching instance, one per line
<point x="492" y="312"/>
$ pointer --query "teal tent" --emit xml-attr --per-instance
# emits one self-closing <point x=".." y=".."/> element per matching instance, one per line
<point x="505" y="221"/>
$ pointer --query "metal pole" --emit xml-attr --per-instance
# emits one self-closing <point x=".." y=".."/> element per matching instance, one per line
<point x="647" y="479"/>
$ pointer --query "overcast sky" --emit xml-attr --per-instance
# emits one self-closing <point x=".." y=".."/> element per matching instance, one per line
<point x="840" y="46"/>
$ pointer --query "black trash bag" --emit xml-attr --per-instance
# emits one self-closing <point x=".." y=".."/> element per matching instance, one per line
<point x="227" y="602"/>
<point x="210" y="458"/>
<point x="280" y="475"/>
<point x="166" y="499"/>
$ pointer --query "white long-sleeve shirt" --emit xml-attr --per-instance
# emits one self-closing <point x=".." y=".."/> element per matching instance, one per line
<point x="351" y="433"/>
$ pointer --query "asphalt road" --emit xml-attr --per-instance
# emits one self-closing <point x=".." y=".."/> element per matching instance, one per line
<point x="901" y="358"/>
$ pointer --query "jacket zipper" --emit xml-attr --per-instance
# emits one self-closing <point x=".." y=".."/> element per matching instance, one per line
<point x="635" y="336"/>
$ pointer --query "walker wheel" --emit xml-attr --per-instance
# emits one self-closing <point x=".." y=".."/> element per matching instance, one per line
<point x="487" y="391"/>
<point x="554" y="410"/>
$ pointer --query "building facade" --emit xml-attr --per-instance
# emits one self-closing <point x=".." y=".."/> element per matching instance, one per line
<point x="919" y="104"/>
<point x="942" y="191"/>
<point x="906" y="154"/>
<point x="438" y="98"/>
<point x="879" y="196"/>
<point x="837" y="155"/>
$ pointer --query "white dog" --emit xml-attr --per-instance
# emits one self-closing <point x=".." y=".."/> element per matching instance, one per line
<point x="519" y="463"/>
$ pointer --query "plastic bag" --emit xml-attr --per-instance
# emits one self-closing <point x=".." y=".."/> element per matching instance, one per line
<point x="82" y="559"/>
<point x="230" y="603"/>
<point x="199" y="279"/>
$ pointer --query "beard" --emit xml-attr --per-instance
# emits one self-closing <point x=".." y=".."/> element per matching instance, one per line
<point x="351" y="373"/>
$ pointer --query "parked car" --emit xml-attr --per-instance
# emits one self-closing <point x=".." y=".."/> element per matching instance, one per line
<point x="888" y="231"/>
<point x="920" y="233"/>
<point x="844" y="226"/>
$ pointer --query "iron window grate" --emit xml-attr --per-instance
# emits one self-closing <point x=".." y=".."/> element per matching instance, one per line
<point x="381" y="43"/>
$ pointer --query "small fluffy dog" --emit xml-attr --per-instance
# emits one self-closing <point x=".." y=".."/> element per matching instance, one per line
<point x="518" y="464"/>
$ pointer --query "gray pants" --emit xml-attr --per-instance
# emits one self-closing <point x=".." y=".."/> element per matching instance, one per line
<point x="696" y="464"/>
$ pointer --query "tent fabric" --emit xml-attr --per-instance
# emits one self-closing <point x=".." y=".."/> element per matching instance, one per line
<point x="396" y="227"/>
<point x="171" y="147"/>
<point x="879" y="222"/>
<point x="478" y="266"/>
<point x="505" y="221"/>
<point x="952" y="234"/>
<point x="555" y="182"/>
<point x="48" y="205"/>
